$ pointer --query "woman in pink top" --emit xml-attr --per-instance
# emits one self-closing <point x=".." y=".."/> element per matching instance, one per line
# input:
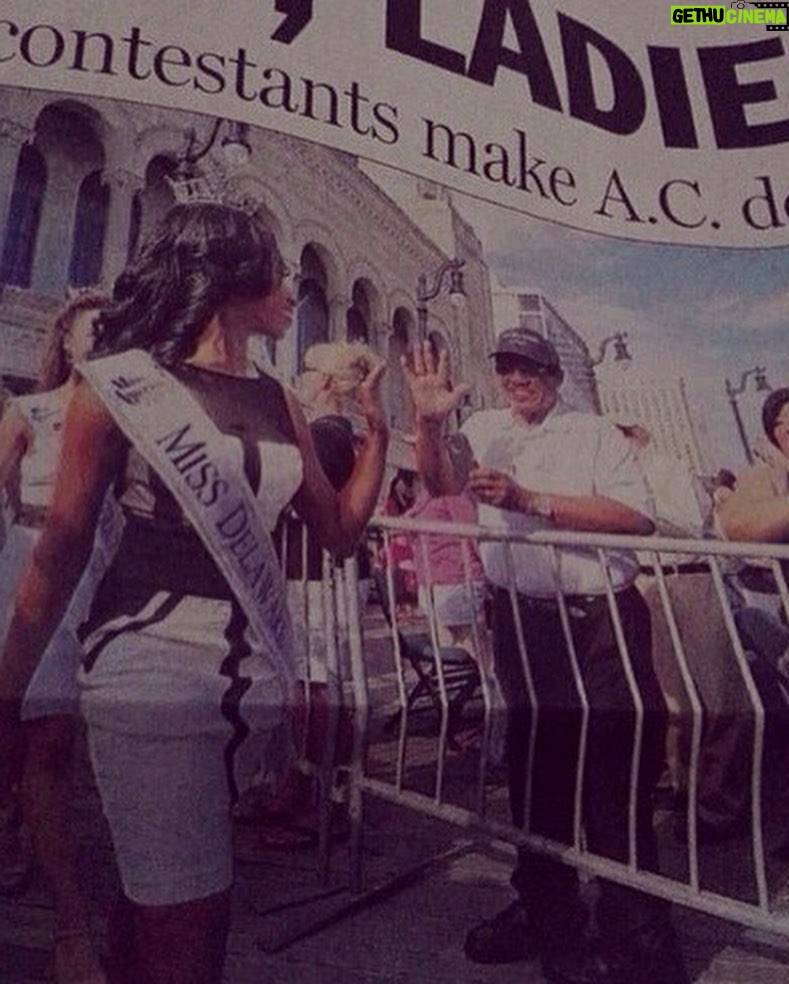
<point x="452" y="586"/>
<point x="448" y="568"/>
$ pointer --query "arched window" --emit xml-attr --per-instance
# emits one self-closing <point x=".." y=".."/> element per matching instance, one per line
<point x="90" y="226"/>
<point x="312" y="319"/>
<point x="24" y="215"/>
<point x="359" y="314"/>
<point x="153" y="201"/>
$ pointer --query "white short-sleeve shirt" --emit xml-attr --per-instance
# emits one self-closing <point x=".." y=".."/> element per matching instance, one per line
<point x="569" y="453"/>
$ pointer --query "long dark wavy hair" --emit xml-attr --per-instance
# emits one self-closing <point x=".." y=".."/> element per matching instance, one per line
<point x="199" y="257"/>
<point x="56" y="364"/>
<point x="771" y="411"/>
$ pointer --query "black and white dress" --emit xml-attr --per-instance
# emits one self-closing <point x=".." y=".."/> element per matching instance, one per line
<point x="181" y="707"/>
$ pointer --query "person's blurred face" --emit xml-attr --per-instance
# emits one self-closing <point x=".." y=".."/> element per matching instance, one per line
<point x="781" y="429"/>
<point x="269" y="314"/>
<point x="275" y="309"/>
<point x="531" y="391"/>
<point x="79" y="341"/>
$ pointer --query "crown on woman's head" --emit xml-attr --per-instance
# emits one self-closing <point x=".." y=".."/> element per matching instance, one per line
<point x="199" y="187"/>
<point x="210" y="181"/>
<point x="190" y="189"/>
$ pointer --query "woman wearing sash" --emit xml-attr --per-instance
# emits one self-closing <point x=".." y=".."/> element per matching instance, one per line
<point x="181" y="670"/>
<point x="30" y="436"/>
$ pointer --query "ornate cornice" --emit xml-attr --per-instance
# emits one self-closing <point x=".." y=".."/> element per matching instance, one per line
<point x="351" y="185"/>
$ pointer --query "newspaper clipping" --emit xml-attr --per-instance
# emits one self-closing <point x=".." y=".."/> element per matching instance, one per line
<point x="395" y="491"/>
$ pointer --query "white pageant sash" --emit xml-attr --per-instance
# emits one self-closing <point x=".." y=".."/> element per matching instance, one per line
<point x="189" y="453"/>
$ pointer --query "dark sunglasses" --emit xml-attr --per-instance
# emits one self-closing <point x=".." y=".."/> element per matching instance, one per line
<point x="507" y="364"/>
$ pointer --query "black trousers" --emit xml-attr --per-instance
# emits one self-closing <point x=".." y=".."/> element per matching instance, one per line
<point x="548" y="887"/>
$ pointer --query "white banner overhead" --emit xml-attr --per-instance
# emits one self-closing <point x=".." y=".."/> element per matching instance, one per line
<point x="644" y="121"/>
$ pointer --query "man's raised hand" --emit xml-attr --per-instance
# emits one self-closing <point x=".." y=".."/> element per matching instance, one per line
<point x="432" y="390"/>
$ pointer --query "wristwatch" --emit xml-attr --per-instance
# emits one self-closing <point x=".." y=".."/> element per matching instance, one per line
<point x="541" y="505"/>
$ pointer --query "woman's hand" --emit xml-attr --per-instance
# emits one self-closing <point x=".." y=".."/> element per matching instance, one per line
<point x="432" y="390"/>
<point x="370" y="397"/>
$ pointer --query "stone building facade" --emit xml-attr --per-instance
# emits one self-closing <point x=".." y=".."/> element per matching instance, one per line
<point x="83" y="180"/>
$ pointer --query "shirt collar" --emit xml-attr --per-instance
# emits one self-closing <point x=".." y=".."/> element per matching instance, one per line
<point x="552" y="423"/>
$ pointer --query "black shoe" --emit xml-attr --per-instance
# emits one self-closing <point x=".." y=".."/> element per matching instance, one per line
<point x="657" y="956"/>
<point x="590" y="964"/>
<point x="652" y="957"/>
<point x="505" y="938"/>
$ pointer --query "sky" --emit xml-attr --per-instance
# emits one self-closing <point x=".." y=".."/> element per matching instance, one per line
<point x="703" y="313"/>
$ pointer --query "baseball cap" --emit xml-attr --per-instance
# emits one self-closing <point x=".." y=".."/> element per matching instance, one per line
<point x="528" y="344"/>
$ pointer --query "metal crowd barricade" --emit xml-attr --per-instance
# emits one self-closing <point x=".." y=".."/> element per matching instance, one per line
<point x="419" y="768"/>
<point x="323" y="612"/>
<point x="323" y="598"/>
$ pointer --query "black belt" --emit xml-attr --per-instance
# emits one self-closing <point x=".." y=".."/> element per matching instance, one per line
<point x="694" y="567"/>
<point x="576" y="604"/>
<point x="34" y="517"/>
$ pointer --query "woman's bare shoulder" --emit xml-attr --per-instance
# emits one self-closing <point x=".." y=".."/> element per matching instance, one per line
<point x="89" y="427"/>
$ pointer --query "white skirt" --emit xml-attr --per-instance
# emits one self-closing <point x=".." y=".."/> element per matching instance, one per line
<point x="181" y="714"/>
<point x="455" y="605"/>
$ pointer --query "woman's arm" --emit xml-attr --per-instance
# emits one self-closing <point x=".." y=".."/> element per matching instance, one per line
<point x="15" y="437"/>
<point x="339" y="518"/>
<point x="753" y="510"/>
<point x="90" y="454"/>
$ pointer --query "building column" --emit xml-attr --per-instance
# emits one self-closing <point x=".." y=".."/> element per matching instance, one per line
<point x="123" y="187"/>
<point x="13" y="137"/>
<point x="338" y="318"/>
<point x="56" y="231"/>
<point x="380" y="334"/>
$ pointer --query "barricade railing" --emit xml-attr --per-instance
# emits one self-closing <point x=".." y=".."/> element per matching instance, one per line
<point x="418" y="759"/>
<point x="324" y="606"/>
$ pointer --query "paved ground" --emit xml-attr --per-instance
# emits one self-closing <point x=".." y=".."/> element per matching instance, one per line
<point x="433" y="885"/>
<point x="413" y="932"/>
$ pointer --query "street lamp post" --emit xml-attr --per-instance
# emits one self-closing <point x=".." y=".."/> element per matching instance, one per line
<point x="426" y="292"/>
<point x="621" y="352"/>
<point x="235" y="144"/>
<point x="732" y="391"/>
